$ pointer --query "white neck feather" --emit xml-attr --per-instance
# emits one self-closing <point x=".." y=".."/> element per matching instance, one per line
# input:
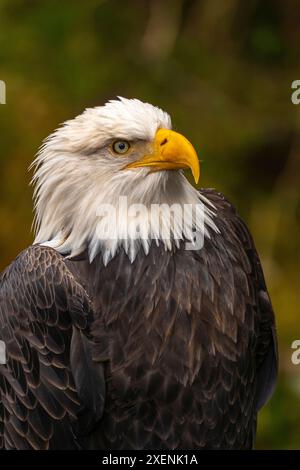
<point x="72" y="220"/>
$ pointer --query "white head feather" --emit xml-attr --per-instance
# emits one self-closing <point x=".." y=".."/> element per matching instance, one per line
<point x="76" y="173"/>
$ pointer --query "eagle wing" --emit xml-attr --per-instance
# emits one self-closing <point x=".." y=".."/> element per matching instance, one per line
<point x="267" y="351"/>
<point x="51" y="391"/>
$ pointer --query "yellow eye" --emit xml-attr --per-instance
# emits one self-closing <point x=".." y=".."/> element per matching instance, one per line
<point x="121" y="146"/>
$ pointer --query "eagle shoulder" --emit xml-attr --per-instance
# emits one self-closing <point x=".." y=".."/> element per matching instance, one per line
<point x="44" y="323"/>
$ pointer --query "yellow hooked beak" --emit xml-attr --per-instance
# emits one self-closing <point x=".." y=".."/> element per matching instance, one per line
<point x="171" y="151"/>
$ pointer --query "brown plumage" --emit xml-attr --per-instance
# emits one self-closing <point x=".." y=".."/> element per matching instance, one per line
<point x="175" y="350"/>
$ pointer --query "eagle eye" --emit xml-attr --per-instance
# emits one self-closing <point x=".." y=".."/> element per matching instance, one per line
<point x="121" y="146"/>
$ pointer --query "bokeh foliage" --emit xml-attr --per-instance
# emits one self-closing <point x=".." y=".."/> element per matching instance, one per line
<point x="223" y="70"/>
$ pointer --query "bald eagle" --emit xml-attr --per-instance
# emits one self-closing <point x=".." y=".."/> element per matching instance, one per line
<point x="125" y="331"/>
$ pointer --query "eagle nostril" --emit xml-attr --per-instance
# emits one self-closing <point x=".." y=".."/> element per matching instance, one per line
<point x="163" y="142"/>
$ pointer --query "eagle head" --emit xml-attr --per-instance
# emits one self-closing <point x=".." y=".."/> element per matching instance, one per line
<point x="125" y="148"/>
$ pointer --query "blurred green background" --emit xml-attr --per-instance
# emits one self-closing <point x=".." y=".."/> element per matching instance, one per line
<point x="223" y="69"/>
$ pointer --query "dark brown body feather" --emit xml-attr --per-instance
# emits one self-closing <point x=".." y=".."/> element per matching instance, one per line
<point x="176" y="350"/>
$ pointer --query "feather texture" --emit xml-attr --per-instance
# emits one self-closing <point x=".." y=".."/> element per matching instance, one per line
<point x="176" y="349"/>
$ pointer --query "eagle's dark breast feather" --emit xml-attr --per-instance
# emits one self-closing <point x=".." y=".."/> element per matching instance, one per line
<point x="176" y="350"/>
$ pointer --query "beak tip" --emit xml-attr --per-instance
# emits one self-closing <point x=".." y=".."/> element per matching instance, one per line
<point x="196" y="174"/>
